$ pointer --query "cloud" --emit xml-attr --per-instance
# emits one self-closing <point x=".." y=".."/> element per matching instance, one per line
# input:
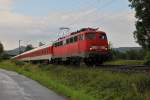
<point x="6" y="4"/>
<point x="20" y="23"/>
<point x="15" y="26"/>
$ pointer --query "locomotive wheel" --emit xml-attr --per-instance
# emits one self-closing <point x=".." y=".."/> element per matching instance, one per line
<point x="93" y="61"/>
<point x="99" y="61"/>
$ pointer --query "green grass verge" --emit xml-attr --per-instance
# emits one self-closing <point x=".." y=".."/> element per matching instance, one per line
<point x="125" y="62"/>
<point x="86" y="83"/>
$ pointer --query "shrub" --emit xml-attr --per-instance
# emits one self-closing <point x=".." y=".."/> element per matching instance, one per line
<point x="147" y="58"/>
<point x="19" y="63"/>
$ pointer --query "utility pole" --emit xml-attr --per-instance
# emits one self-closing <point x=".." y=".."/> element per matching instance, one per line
<point x="19" y="47"/>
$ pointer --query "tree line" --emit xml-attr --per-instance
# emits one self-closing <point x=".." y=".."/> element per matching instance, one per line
<point x="129" y="55"/>
<point x="4" y="55"/>
<point x="142" y="32"/>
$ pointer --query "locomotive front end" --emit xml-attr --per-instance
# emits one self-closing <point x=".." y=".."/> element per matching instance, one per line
<point x="97" y="49"/>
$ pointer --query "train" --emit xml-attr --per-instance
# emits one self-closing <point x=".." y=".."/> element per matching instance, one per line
<point x="87" y="45"/>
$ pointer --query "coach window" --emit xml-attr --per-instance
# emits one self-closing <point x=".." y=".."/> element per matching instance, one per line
<point x="58" y="43"/>
<point x="55" y="44"/>
<point x="90" y="36"/>
<point x="64" y="42"/>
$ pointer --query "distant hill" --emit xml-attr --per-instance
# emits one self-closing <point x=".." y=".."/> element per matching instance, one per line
<point x="15" y="51"/>
<point x="124" y="49"/>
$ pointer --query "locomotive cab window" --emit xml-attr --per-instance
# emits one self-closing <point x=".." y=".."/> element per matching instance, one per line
<point x="103" y="37"/>
<point x="90" y="36"/>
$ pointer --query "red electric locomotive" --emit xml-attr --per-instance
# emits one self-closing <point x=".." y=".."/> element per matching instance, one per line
<point x="86" y="45"/>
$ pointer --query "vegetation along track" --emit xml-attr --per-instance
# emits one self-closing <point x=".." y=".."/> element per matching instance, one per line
<point x="126" y="68"/>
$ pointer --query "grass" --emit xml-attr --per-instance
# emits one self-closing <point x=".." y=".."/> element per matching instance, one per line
<point x="125" y="62"/>
<point x="86" y="83"/>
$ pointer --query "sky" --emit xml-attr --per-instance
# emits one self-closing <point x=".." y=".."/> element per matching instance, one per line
<point x="34" y="21"/>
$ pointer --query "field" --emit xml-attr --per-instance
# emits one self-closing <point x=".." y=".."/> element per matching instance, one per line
<point x="86" y="83"/>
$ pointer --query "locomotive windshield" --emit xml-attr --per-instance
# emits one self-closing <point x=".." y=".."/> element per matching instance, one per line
<point x="90" y="36"/>
<point x="103" y="37"/>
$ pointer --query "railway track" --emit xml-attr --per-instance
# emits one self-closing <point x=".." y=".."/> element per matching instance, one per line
<point x="126" y="68"/>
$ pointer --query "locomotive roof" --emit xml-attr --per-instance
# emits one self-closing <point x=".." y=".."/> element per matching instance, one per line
<point x="83" y="30"/>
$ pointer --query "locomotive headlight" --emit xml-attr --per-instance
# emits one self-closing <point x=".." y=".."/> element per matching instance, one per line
<point x="104" y="47"/>
<point x="98" y="47"/>
<point x="94" y="47"/>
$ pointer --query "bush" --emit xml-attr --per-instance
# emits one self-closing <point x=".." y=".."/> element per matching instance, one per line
<point x="19" y="63"/>
<point x="147" y="58"/>
<point x="0" y="60"/>
<point x="128" y="55"/>
<point x="5" y="56"/>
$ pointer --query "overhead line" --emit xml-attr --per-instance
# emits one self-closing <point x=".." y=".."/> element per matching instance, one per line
<point x="104" y="6"/>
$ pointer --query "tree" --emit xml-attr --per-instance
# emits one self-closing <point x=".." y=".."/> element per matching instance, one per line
<point x="5" y="56"/>
<point x="142" y="32"/>
<point x="135" y="54"/>
<point x="1" y="48"/>
<point x="29" y="47"/>
<point x="147" y="58"/>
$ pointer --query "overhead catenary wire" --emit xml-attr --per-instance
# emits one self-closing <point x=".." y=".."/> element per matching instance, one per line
<point x="109" y="2"/>
<point x="90" y="12"/>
